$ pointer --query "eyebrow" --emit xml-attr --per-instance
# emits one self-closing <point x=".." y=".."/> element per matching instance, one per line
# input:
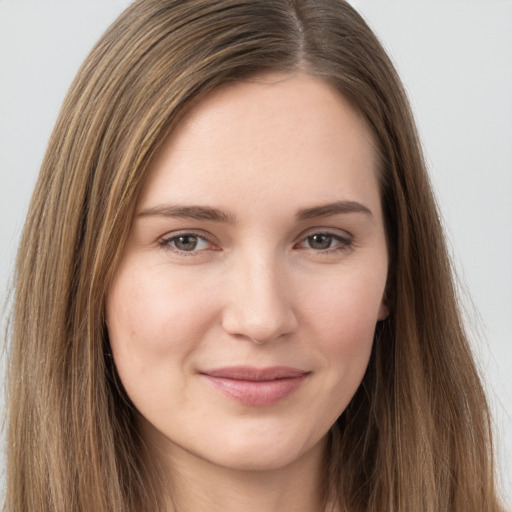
<point x="336" y="208"/>
<point x="189" y="212"/>
<point x="216" y="215"/>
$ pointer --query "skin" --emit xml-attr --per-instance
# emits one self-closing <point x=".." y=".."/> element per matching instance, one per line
<point x="257" y="286"/>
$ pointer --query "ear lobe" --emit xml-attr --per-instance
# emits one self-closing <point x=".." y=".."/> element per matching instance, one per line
<point x="383" y="310"/>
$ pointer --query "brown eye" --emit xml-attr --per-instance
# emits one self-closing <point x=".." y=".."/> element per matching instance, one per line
<point x="326" y="242"/>
<point x="186" y="242"/>
<point x="320" y="241"/>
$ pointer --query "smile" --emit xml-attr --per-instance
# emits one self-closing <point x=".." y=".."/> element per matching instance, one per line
<point x="256" y="387"/>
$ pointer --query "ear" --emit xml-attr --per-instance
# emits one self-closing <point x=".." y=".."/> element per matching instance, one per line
<point x="383" y="309"/>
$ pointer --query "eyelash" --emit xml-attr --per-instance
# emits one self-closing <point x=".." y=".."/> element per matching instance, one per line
<point x="343" y="244"/>
<point x="168" y="240"/>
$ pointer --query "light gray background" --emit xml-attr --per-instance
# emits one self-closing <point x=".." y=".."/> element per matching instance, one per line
<point x="455" y="58"/>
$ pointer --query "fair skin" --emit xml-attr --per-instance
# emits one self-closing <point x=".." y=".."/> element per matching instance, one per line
<point x="241" y="317"/>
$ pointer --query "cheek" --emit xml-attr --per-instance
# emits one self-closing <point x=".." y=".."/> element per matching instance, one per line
<point x="348" y="305"/>
<point x="148" y="309"/>
<point x="153" y="323"/>
<point x="341" y="320"/>
<point x="343" y="317"/>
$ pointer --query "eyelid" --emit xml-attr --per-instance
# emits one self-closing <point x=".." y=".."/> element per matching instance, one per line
<point x="335" y="232"/>
<point x="346" y="239"/>
<point x="165" y="239"/>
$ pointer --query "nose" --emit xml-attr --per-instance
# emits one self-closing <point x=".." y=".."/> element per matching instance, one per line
<point x="259" y="307"/>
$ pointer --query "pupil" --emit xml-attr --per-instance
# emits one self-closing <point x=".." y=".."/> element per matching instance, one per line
<point x="320" y="241"/>
<point x="186" y="242"/>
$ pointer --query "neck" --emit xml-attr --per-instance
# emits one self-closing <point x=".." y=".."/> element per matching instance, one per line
<point x="200" y="486"/>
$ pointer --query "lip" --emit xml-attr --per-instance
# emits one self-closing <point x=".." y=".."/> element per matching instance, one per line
<point x="256" y="387"/>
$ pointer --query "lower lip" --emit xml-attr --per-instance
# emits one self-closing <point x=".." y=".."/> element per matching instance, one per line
<point x="256" y="393"/>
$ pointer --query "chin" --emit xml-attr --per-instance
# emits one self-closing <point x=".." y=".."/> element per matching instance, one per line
<point x="264" y="453"/>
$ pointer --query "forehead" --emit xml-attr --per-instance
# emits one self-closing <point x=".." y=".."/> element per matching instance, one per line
<point x="291" y="135"/>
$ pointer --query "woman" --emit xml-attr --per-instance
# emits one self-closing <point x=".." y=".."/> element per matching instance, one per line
<point x="232" y="289"/>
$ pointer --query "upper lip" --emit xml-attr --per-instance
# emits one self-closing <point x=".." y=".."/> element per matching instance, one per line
<point x="251" y="373"/>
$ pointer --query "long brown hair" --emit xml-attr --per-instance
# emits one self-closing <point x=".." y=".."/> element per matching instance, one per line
<point x="416" y="435"/>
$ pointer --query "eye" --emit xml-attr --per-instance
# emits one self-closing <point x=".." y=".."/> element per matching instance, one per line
<point x="325" y="242"/>
<point x="320" y="241"/>
<point x="186" y="243"/>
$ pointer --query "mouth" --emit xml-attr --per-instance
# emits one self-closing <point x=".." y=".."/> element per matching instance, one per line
<point x="256" y="387"/>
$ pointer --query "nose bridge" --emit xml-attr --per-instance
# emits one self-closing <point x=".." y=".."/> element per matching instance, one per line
<point x="259" y="304"/>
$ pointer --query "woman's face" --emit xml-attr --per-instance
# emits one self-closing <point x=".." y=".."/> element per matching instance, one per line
<point x="242" y="315"/>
